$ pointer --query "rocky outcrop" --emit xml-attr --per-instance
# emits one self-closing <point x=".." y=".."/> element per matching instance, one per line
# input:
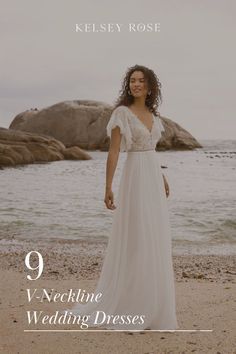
<point x="83" y="123"/>
<point x="17" y="147"/>
<point x="74" y="123"/>
<point x="176" y="138"/>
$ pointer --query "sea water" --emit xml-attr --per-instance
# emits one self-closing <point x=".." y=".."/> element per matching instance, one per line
<point x="65" y="199"/>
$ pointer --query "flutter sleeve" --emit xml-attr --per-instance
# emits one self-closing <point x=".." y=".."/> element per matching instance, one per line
<point x="119" y="118"/>
<point x="161" y="127"/>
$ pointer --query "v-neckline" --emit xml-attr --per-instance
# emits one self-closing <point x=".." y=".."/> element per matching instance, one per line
<point x="150" y="131"/>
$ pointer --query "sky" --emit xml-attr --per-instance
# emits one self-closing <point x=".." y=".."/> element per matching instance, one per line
<point x="45" y="61"/>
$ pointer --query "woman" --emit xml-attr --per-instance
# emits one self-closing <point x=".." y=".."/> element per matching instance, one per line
<point x="137" y="280"/>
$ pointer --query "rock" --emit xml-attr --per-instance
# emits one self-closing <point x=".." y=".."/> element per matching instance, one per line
<point x="74" y="123"/>
<point x="176" y="138"/>
<point x="75" y="153"/>
<point x="17" y="147"/>
<point x="83" y="123"/>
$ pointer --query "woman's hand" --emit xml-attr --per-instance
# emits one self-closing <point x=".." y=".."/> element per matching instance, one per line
<point x="109" y="199"/>
<point x="166" y="186"/>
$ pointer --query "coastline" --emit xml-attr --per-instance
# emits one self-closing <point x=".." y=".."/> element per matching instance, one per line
<point x="205" y="299"/>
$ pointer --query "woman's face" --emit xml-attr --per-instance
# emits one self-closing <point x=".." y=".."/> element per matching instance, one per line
<point x="138" y="84"/>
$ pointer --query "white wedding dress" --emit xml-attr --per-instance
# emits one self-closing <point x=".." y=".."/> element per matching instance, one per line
<point x="137" y="277"/>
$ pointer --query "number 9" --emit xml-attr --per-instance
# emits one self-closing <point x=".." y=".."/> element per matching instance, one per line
<point x="39" y="266"/>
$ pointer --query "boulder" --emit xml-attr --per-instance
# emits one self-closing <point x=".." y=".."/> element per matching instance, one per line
<point x="74" y="152"/>
<point x="17" y="147"/>
<point x="175" y="137"/>
<point x="82" y="123"/>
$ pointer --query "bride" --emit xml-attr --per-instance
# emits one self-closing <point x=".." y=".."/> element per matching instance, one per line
<point x="137" y="278"/>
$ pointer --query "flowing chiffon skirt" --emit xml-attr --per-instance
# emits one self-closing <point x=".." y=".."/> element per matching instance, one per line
<point x="137" y="277"/>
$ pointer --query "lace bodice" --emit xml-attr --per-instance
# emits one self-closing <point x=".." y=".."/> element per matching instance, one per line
<point x="135" y="136"/>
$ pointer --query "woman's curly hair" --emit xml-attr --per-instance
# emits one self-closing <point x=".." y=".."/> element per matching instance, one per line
<point x="153" y="100"/>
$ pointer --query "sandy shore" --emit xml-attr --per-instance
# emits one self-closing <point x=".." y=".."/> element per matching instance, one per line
<point x="205" y="299"/>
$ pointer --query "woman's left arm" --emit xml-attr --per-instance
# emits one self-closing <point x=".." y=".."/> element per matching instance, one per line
<point x="166" y="186"/>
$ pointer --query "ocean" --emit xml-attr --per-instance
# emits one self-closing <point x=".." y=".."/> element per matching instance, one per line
<point x="65" y="199"/>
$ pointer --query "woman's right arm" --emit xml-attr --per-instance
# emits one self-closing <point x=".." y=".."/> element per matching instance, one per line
<point x="112" y="159"/>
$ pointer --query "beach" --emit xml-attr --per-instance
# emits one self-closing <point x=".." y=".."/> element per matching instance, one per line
<point x="69" y="69"/>
<point x="205" y="300"/>
<point x="62" y="216"/>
